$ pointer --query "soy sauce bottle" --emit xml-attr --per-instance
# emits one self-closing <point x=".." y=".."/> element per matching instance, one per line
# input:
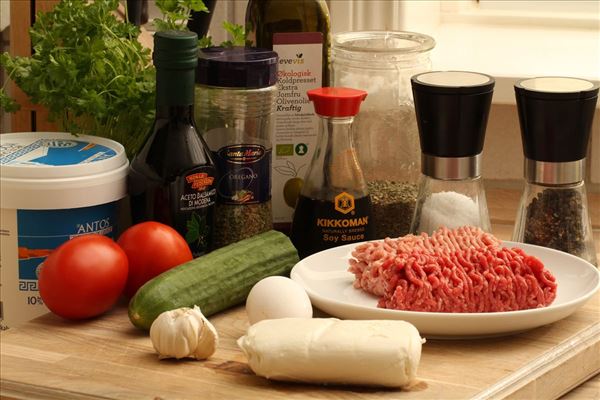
<point x="172" y="179"/>
<point x="334" y="207"/>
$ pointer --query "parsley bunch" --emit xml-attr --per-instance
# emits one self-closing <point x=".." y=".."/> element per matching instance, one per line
<point x="89" y="71"/>
<point x="177" y="12"/>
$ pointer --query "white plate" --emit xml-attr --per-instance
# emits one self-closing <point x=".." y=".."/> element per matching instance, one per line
<point x="328" y="283"/>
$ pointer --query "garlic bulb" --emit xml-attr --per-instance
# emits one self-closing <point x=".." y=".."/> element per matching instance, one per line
<point x="182" y="333"/>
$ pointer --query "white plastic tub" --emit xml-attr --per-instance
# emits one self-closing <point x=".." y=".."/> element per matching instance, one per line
<point x="53" y="186"/>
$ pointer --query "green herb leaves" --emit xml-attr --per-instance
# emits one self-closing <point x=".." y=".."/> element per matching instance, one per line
<point x="176" y="13"/>
<point x="237" y="32"/>
<point x="89" y="70"/>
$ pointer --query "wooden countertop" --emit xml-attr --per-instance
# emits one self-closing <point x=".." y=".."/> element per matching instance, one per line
<point x="107" y="358"/>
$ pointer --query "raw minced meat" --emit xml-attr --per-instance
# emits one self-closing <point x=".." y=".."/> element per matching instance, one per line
<point x="458" y="270"/>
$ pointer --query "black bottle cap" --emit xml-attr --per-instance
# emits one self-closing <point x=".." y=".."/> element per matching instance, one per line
<point x="452" y="110"/>
<point x="175" y="50"/>
<point x="555" y="114"/>
<point x="237" y="67"/>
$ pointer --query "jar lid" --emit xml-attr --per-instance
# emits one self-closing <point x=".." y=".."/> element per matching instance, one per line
<point x="383" y="42"/>
<point x="336" y="101"/>
<point x="44" y="155"/>
<point x="555" y="114"/>
<point x="237" y="67"/>
<point x="452" y="109"/>
<point x="58" y="170"/>
<point x="453" y="82"/>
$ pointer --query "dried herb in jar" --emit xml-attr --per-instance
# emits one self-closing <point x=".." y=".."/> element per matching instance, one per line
<point x="236" y="222"/>
<point x="554" y="219"/>
<point x="393" y="204"/>
<point x="235" y="96"/>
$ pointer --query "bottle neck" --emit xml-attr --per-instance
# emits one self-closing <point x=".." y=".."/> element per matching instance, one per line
<point x="335" y="165"/>
<point x="181" y="113"/>
<point x="335" y="134"/>
<point x="174" y="88"/>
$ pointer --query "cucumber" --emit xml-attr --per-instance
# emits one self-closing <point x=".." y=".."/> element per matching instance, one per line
<point x="215" y="281"/>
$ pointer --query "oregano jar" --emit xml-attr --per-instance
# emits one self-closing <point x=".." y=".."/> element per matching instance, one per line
<point x="235" y="94"/>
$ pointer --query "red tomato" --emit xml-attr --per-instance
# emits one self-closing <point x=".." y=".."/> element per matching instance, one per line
<point x="151" y="248"/>
<point x="83" y="277"/>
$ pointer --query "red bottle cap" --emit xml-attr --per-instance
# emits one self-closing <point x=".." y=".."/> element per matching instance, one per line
<point x="336" y="101"/>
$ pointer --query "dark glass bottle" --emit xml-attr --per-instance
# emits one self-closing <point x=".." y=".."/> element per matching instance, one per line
<point x="172" y="179"/>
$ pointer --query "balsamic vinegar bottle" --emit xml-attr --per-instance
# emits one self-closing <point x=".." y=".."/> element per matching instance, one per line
<point x="172" y="179"/>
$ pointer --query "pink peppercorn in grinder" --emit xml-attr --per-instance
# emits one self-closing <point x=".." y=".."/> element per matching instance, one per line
<point x="555" y="114"/>
<point x="452" y="109"/>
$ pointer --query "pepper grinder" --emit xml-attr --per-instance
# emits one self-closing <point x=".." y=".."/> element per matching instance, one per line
<point x="452" y="109"/>
<point x="555" y="115"/>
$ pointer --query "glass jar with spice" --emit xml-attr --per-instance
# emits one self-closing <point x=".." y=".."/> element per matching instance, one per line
<point x="452" y="110"/>
<point x="386" y="136"/>
<point x="235" y="93"/>
<point x="556" y="115"/>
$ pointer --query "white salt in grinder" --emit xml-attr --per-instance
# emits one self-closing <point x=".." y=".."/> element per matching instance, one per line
<point x="555" y="115"/>
<point x="452" y="110"/>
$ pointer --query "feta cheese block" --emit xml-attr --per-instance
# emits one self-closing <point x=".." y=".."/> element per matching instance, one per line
<point x="329" y="350"/>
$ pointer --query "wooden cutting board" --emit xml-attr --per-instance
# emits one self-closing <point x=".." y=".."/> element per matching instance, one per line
<point x="107" y="358"/>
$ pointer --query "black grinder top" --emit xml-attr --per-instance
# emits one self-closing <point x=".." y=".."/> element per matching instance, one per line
<point x="452" y="109"/>
<point x="555" y="114"/>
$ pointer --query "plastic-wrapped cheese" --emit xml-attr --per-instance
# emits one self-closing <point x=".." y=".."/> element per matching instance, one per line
<point x="329" y="350"/>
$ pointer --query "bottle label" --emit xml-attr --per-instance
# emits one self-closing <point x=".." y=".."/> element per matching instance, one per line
<point x="245" y="174"/>
<point x="344" y="220"/>
<point x="193" y="198"/>
<point x="296" y="125"/>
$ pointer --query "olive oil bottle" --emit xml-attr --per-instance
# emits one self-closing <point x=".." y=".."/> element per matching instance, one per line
<point x="265" y="19"/>
<point x="172" y="179"/>
<point x="299" y="31"/>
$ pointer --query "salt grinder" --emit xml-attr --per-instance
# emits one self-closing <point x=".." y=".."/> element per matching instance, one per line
<point x="452" y="110"/>
<point x="555" y="114"/>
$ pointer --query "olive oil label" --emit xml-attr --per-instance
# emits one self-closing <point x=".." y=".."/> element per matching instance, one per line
<point x="244" y="174"/>
<point x="296" y="125"/>
<point x="323" y="224"/>
<point x="193" y="196"/>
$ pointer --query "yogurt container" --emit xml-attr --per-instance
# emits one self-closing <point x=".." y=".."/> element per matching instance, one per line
<point x="53" y="187"/>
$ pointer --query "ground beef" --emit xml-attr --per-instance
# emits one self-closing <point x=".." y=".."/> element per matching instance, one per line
<point x="459" y="270"/>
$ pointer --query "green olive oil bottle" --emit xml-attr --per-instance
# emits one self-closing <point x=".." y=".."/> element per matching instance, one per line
<point x="299" y="31"/>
